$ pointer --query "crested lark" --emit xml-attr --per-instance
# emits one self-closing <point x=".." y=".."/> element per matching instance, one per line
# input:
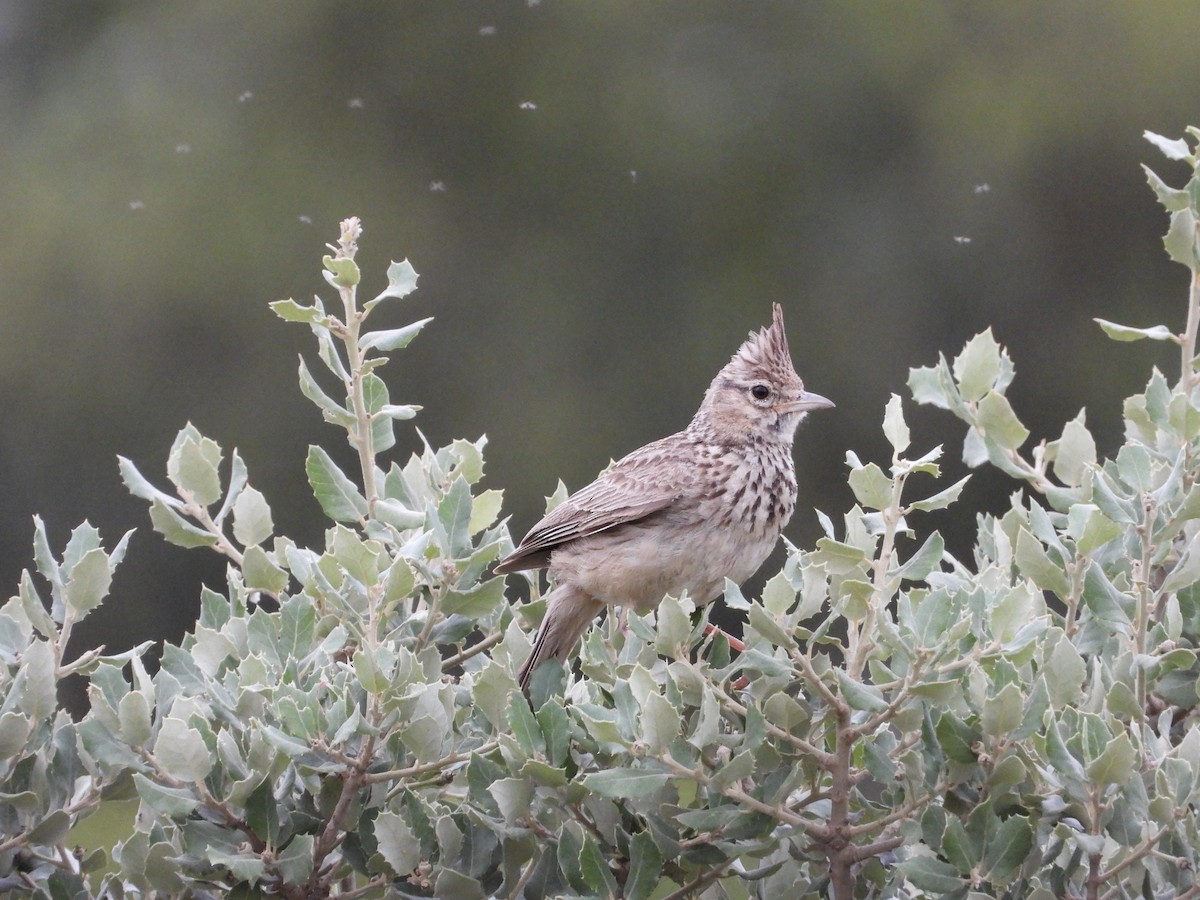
<point x="680" y="514"/>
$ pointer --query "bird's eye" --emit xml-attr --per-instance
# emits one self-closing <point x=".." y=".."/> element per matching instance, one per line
<point x="760" y="392"/>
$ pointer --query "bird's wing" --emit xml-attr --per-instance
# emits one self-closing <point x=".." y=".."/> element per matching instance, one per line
<point x="632" y="488"/>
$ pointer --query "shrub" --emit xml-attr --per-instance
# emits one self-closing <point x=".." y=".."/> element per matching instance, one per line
<point x="346" y="720"/>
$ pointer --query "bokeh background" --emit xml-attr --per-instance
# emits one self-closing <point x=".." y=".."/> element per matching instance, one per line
<point x="601" y="198"/>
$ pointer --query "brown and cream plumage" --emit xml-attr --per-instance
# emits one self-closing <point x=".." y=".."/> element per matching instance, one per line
<point x="682" y="513"/>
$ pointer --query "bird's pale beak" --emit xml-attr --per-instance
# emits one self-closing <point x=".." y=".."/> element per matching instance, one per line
<point x="806" y="402"/>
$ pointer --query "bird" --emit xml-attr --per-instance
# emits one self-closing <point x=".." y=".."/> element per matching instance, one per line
<point x="680" y="514"/>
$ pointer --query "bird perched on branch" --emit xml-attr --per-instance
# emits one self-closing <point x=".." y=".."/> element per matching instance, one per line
<point x="683" y="513"/>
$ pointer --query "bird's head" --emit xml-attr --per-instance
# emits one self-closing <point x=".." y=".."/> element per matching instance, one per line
<point x="758" y="394"/>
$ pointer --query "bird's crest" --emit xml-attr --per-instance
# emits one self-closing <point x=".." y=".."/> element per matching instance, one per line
<point x="765" y="353"/>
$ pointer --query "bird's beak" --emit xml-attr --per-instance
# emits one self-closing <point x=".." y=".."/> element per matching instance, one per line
<point x="805" y="402"/>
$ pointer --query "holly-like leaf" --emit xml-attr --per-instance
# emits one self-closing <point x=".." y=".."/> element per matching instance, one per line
<point x="625" y="782"/>
<point x="393" y="339"/>
<point x="251" y="517"/>
<point x="977" y="369"/>
<point x="1129" y="333"/>
<point x="397" y="844"/>
<point x="88" y="582"/>
<point x="895" y="429"/>
<point x="337" y="494"/>
<point x="1172" y="148"/>
<point x="402" y="281"/>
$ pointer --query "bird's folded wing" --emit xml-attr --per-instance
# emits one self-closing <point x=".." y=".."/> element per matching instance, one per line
<point x="627" y="491"/>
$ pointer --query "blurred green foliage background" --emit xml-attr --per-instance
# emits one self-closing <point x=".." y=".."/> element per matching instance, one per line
<point x="602" y="198"/>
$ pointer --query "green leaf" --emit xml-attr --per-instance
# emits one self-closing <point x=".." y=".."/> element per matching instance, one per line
<point x="168" y="801"/>
<point x="871" y="487"/>
<point x="1112" y="504"/>
<point x="425" y="736"/>
<point x="525" y="727"/>
<point x="33" y="607"/>
<point x="708" y="722"/>
<point x="1103" y="599"/>
<point x="295" y="861"/>
<point x="399" y="516"/>
<point x="1059" y="756"/>
<point x="1180" y="239"/>
<point x="930" y="874"/>
<point x="1003" y="712"/>
<point x="454" y="511"/>
<point x="645" y="867"/>
<point x="660" y="723"/>
<point x="297" y="627"/>
<point x="176" y="529"/>
<point x="1065" y="671"/>
<point x="839" y="558"/>
<point x="556" y="730"/>
<point x="397" y="844"/>
<point x="36" y="682"/>
<point x="291" y="311"/>
<point x="957" y="739"/>
<point x="958" y="847"/>
<point x="977" y="369"/>
<point x="261" y="573"/>
<point x="1171" y="148"/>
<point x="926" y="560"/>
<point x="181" y="751"/>
<point x="52" y="830"/>
<point x="778" y="594"/>
<point x="1187" y="571"/>
<point x="859" y="695"/>
<point x="369" y="676"/>
<point x="133" y="713"/>
<point x="402" y="281"/>
<point x="14" y="731"/>
<point x="1074" y="452"/>
<point x="942" y="499"/>
<point x="393" y="339"/>
<point x="332" y="411"/>
<point x="251" y="518"/>
<point x="624" y="782"/>
<point x="192" y="467"/>
<point x="514" y="796"/>
<point x="1015" y="610"/>
<point x="1129" y="333"/>
<point x="999" y="423"/>
<point x="88" y="582"/>
<point x="485" y="507"/>
<point x="895" y="429"/>
<point x="383" y="429"/>
<point x="1171" y="198"/>
<point x="933" y="385"/>
<point x="674" y="627"/>
<point x="1007" y="847"/>
<point x="595" y="871"/>
<point x="337" y="494"/>
<point x="1115" y="764"/>
<point x="477" y="603"/>
<point x="342" y="271"/>
<point x="139" y="486"/>
<point x="359" y="559"/>
<point x="43" y="556"/>
<point x="399" y="581"/>
<point x="1090" y="528"/>
<point x="1035" y="563"/>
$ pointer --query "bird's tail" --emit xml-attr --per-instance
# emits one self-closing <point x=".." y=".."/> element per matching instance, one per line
<point x="569" y="611"/>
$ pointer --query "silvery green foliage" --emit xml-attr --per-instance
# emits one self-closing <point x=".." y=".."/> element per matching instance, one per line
<point x="345" y="719"/>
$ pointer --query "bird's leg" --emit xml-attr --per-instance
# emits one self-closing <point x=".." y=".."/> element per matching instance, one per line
<point x="736" y="644"/>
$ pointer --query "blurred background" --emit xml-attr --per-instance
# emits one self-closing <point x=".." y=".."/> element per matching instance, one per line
<point x="601" y="199"/>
